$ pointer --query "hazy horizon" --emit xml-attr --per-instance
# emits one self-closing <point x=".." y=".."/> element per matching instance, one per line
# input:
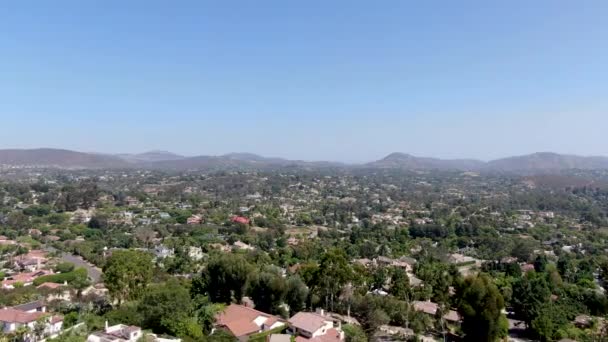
<point x="345" y="81"/>
<point x="354" y="162"/>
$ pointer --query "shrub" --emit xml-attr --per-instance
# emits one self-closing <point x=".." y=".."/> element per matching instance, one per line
<point x="64" y="267"/>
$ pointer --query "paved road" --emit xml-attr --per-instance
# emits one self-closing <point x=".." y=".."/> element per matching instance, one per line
<point x="93" y="271"/>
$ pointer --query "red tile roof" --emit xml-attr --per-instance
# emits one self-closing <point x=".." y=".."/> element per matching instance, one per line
<point x="49" y="285"/>
<point x="240" y="219"/>
<point x="10" y="315"/>
<point x="242" y="327"/>
<point x="56" y="319"/>
<point x="239" y="320"/>
<point x="308" y="321"/>
<point x="332" y="335"/>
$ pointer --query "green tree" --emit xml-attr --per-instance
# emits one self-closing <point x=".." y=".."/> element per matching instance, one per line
<point x="225" y="278"/>
<point x="551" y="317"/>
<point x="167" y="308"/>
<point x="540" y="263"/>
<point x="529" y="293"/>
<point x="333" y="274"/>
<point x="64" y="267"/>
<point x="400" y="284"/>
<point x="354" y="333"/>
<point x="480" y="304"/>
<point x="267" y="289"/>
<point x="127" y="273"/>
<point x="296" y="294"/>
<point x="206" y="312"/>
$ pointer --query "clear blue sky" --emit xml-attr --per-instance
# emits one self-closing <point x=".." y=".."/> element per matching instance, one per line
<point x="335" y="80"/>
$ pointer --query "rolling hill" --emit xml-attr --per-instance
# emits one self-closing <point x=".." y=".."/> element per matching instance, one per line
<point x="546" y="161"/>
<point x="407" y="161"/>
<point x="48" y="157"/>
<point x="536" y="163"/>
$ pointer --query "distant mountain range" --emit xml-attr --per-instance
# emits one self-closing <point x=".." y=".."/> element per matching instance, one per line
<point x="47" y="157"/>
<point x="57" y="158"/>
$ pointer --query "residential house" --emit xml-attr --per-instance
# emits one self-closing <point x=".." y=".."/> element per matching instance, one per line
<point x="117" y="333"/>
<point x="98" y="290"/>
<point x="162" y="251"/>
<point x="56" y="291"/>
<point x="460" y="259"/>
<point x="25" y="279"/>
<point x="30" y="315"/>
<point x="194" y="219"/>
<point x="34" y="232"/>
<point x="195" y="253"/>
<point x="31" y="307"/>
<point x="32" y="261"/>
<point x="131" y="201"/>
<point x="315" y="327"/>
<point x="242" y="322"/>
<point x="405" y="263"/>
<point x="81" y="216"/>
<point x="52" y="238"/>
<point x="6" y="241"/>
<point x="527" y="268"/>
<point x="546" y="214"/>
<point x="220" y="246"/>
<point x="431" y="308"/>
<point x="243" y="246"/>
<point x="240" y="219"/>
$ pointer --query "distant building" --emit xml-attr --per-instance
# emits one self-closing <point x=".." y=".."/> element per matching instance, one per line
<point x="240" y="219"/>
<point x="162" y="252"/>
<point x="194" y="219"/>
<point x="243" y="246"/>
<point x="196" y="253"/>
<point x="131" y="201"/>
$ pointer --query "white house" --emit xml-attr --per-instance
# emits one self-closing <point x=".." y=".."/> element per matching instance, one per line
<point x="30" y="316"/>
<point x="196" y="253"/>
<point x="116" y="333"/>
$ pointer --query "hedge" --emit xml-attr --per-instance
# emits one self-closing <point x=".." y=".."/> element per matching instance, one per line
<point x="60" y="278"/>
<point x="261" y="337"/>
